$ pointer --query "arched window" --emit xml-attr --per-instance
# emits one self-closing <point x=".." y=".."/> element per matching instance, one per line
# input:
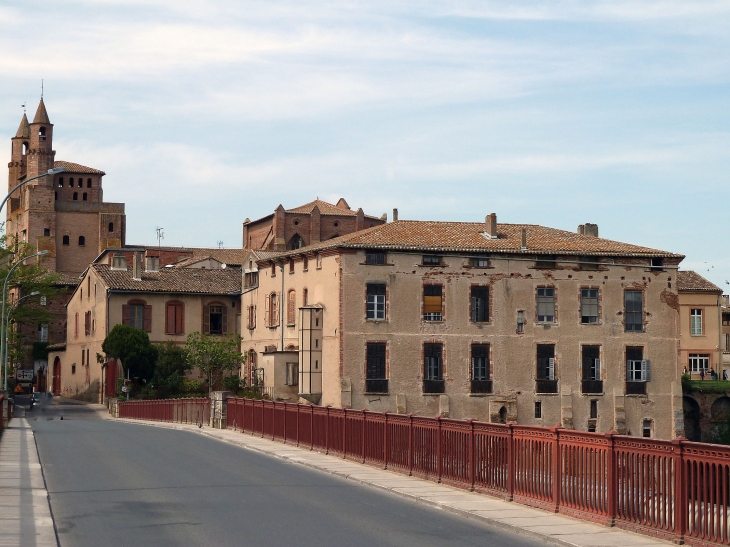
<point x="295" y="242"/>
<point x="76" y="196"/>
<point x="137" y="314"/>
<point x="174" y="318"/>
<point x="271" y="311"/>
<point x="305" y="297"/>
<point x="60" y="182"/>
<point x="88" y="183"/>
<point x="25" y="148"/>
<point x="84" y="197"/>
<point x="82" y="241"/>
<point x="71" y="182"/>
<point x="291" y="307"/>
<point x="111" y="226"/>
<point x="42" y="133"/>
<point x="65" y="240"/>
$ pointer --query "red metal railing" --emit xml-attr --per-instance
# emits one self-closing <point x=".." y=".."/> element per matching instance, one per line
<point x="181" y="411"/>
<point x="676" y="490"/>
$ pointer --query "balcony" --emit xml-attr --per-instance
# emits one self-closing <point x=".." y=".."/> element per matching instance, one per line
<point x="433" y="386"/>
<point x="376" y="386"/>
<point x="546" y="386"/>
<point x="635" y="388"/>
<point x="481" y="386"/>
<point x="592" y="386"/>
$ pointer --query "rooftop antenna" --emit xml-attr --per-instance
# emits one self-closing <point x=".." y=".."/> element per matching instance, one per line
<point x="160" y="236"/>
<point x="220" y="244"/>
<point x="41" y="90"/>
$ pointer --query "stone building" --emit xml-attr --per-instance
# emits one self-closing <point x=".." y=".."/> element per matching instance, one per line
<point x="65" y="215"/>
<point x="305" y="225"/>
<point x="496" y="322"/>
<point x="167" y="303"/>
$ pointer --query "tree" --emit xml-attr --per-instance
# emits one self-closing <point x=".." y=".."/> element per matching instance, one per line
<point x="133" y="348"/>
<point x="214" y="355"/>
<point x="172" y="364"/>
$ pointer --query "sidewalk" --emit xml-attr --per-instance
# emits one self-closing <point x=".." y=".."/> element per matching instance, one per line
<point x="541" y="525"/>
<point x="25" y="514"/>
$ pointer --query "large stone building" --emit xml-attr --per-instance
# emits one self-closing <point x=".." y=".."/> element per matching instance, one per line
<point x="65" y="215"/>
<point x="489" y="321"/>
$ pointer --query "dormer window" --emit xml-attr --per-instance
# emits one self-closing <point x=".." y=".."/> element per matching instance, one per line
<point x="119" y="262"/>
<point x="657" y="264"/>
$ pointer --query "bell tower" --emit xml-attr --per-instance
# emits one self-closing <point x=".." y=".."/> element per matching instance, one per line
<point x="41" y="153"/>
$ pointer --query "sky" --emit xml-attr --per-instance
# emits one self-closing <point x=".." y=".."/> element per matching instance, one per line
<point x="555" y="113"/>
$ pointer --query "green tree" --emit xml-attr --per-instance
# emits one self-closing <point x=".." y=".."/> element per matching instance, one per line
<point x="214" y="355"/>
<point x="172" y="364"/>
<point x="133" y="348"/>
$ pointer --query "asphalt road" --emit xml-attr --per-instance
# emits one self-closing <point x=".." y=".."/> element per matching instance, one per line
<point x="120" y="484"/>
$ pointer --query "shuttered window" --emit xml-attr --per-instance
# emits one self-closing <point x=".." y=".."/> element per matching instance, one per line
<point x="432" y="303"/>
<point x="545" y="362"/>
<point x="251" y="317"/>
<point x="589" y="306"/>
<point x="479" y="304"/>
<point x="375" y="361"/>
<point x="480" y="362"/>
<point x="433" y="364"/>
<point x="546" y="305"/>
<point x="634" y="311"/>
<point x="138" y="315"/>
<point x="271" y="311"/>
<point x="174" y="318"/>
<point x="291" y="307"/>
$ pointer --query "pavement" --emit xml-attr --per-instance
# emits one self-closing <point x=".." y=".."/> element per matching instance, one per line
<point x="508" y="516"/>
<point x="25" y="513"/>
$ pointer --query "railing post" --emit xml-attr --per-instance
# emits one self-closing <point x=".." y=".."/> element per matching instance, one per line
<point x="311" y="427"/>
<point x="472" y="452"/>
<point x="344" y="433"/>
<point x="680" y="491"/>
<point x="298" y="406"/>
<point x="327" y="432"/>
<point x="284" y="422"/>
<point x="410" y="444"/>
<point x="511" y="456"/>
<point x="439" y="464"/>
<point x="385" y="441"/>
<point x="612" y="479"/>
<point x="364" y="419"/>
<point x="556" y="469"/>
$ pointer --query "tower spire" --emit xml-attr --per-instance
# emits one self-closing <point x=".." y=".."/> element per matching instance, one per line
<point x="24" y="128"/>
<point x="41" y="116"/>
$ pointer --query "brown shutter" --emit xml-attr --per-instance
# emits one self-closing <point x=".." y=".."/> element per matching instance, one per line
<point x="170" y="319"/>
<point x="431" y="304"/>
<point x="206" y="319"/>
<point x="253" y="317"/>
<point x="291" y="304"/>
<point x="147" y="319"/>
<point x="179" y="319"/>
<point x="224" y="322"/>
<point x="275" y="311"/>
<point x="125" y="315"/>
<point x="267" y="311"/>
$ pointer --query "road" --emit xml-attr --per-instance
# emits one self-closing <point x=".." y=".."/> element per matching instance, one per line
<point x="120" y="484"/>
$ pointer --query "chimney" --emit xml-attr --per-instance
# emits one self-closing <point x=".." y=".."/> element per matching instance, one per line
<point x="524" y="239"/>
<point x="119" y="262"/>
<point x="588" y="229"/>
<point x="491" y="221"/>
<point x="152" y="264"/>
<point x="137" y="266"/>
<point x="395" y="215"/>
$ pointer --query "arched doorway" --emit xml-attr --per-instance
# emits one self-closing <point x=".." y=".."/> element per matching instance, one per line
<point x="691" y="419"/>
<point x="57" y="376"/>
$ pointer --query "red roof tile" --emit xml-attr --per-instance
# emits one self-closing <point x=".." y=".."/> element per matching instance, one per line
<point x="172" y="280"/>
<point x="76" y="168"/>
<point x="692" y="281"/>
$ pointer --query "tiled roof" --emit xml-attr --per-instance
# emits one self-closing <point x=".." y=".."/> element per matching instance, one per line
<point x="76" y="168"/>
<point x="172" y="280"/>
<point x="67" y="279"/>
<point x="692" y="281"/>
<point x="324" y="209"/>
<point x="430" y="236"/>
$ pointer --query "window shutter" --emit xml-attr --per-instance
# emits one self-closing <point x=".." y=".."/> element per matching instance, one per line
<point x="598" y="368"/>
<point x="645" y="370"/>
<point x="147" y="319"/>
<point x="206" y="319"/>
<point x="253" y="317"/>
<point x="170" y="319"/>
<point x="248" y="317"/>
<point x="179" y="319"/>
<point x="628" y="371"/>
<point x="224" y="320"/>
<point x="275" y="309"/>
<point x="431" y="304"/>
<point x="551" y="368"/>
<point x="267" y="311"/>
<point x="125" y="314"/>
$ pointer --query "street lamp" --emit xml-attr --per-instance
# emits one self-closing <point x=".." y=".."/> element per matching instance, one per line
<point x="7" y="319"/>
<point x="50" y="172"/>
<point x="3" y="326"/>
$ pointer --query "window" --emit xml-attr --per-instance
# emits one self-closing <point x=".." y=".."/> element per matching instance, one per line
<point x="292" y="374"/>
<point x="76" y="325"/>
<point x="43" y="332"/>
<point x="374" y="258"/>
<point x="174" y="318"/>
<point x="250" y="279"/>
<point x="479" y="262"/>
<point x="291" y="307"/>
<point x="88" y="183"/>
<point x="726" y="319"/>
<point x="479" y="304"/>
<point x="271" y="311"/>
<point x="375" y="368"/>
<point x="251" y="313"/>
<point x="657" y="264"/>
<point x="634" y="311"/>
<point x="305" y="297"/>
<point x="73" y="368"/>
<point x="594" y="410"/>
<point x="376" y="301"/>
<point x="589" y="263"/>
<point x="215" y="315"/>
<point x="637" y="368"/>
<point x="42" y="133"/>
<point x="305" y="263"/>
<point x="520" y="321"/>
<point x="545" y="362"/>
<point x="273" y="269"/>
<point x="546" y="262"/>
<point x="138" y="315"/>
<point x="82" y="241"/>
<point x="84" y="196"/>
<point x="480" y="362"/>
<point x="646" y="427"/>
<point x="76" y="195"/>
<point x="291" y="265"/>
<point x="699" y="362"/>
<point x="432" y="303"/>
<point x="71" y="182"/>
<point x="319" y="260"/>
<point x="538" y="409"/>
<point x="591" y="362"/>
<point x="589" y="306"/>
<point x="546" y="305"/>
<point x="87" y="323"/>
<point x="60" y="182"/>
<point x="431" y="260"/>
<point x="111" y="227"/>
<point x="695" y="321"/>
<point x="46" y="232"/>
<point x="433" y="373"/>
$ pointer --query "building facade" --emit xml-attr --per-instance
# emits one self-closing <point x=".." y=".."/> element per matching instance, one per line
<point x="474" y="320"/>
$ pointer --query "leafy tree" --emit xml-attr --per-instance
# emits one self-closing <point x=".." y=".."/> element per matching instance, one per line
<point x="172" y="364"/>
<point x="133" y="348"/>
<point x="214" y="355"/>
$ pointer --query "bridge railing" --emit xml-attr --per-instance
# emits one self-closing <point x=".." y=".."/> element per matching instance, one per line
<point x="181" y="411"/>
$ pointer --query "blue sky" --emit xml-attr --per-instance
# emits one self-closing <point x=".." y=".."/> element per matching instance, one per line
<point x="556" y="113"/>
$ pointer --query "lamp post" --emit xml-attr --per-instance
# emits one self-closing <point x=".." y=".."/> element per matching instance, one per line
<point x="3" y="326"/>
<point x="7" y="319"/>
<point x="50" y="172"/>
